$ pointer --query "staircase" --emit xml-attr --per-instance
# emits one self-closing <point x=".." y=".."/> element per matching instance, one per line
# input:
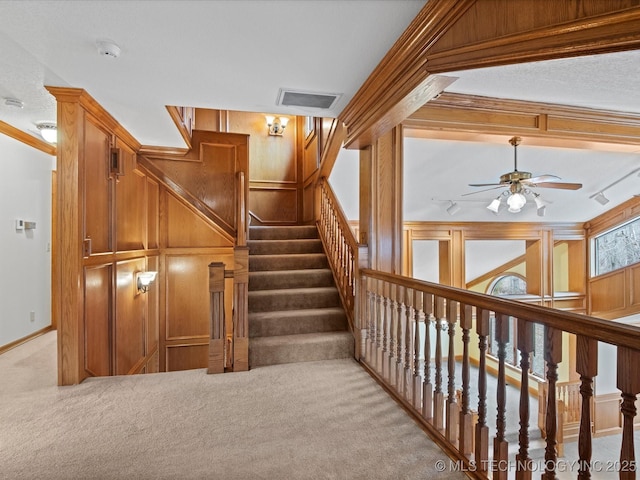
<point x="295" y="312"/>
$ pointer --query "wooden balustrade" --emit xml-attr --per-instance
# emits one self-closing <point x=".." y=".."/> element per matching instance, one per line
<point x="399" y="318"/>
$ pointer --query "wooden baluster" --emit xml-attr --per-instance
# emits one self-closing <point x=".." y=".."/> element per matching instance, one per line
<point x="587" y="367"/>
<point x="427" y="389"/>
<point x="400" y="340"/>
<point x="525" y="346"/>
<point x="482" y="429"/>
<point x="371" y="334"/>
<point x="393" y="340"/>
<point x="385" y="331"/>
<point x="409" y="348"/>
<point x="438" y="395"/>
<point x="629" y="384"/>
<point x="500" y="444"/>
<point x="217" y="328"/>
<point x="553" y="356"/>
<point x="417" y="377"/>
<point x="466" y="417"/>
<point x="453" y="409"/>
<point x="379" y="325"/>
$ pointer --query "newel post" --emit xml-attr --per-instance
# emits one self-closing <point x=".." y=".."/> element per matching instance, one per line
<point x="361" y="323"/>
<point x="241" y="310"/>
<point x="217" y="330"/>
<point x="629" y="385"/>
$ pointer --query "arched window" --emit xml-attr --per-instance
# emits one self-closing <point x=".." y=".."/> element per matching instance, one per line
<point x="509" y="284"/>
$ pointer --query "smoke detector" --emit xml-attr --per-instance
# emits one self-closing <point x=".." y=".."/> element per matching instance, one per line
<point x="108" y="48"/>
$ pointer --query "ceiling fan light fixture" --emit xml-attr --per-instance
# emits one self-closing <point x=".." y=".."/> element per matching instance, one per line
<point x="494" y="206"/>
<point x="516" y="201"/>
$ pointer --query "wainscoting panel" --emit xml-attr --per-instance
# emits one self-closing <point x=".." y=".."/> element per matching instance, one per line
<point x="131" y="204"/>
<point x="97" y="311"/>
<point x="130" y="318"/>
<point x="274" y="205"/>
<point x="186" y="357"/>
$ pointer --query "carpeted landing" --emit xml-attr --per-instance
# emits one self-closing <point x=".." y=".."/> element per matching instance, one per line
<point x="295" y="311"/>
<point x="312" y="420"/>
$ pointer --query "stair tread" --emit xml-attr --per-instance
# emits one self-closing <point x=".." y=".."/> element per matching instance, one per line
<point x="301" y="338"/>
<point x="296" y="313"/>
<point x="292" y="291"/>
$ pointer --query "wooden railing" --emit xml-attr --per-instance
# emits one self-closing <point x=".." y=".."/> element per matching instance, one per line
<point x="343" y="252"/>
<point x="231" y="354"/>
<point x="417" y="343"/>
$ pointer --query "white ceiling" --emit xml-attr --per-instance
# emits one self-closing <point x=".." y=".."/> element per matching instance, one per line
<point x="237" y="54"/>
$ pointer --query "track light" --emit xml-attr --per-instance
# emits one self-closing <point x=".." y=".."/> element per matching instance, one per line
<point x="601" y="199"/>
<point x="453" y="208"/>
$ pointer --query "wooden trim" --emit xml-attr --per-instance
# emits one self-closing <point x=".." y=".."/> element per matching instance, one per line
<point x="330" y="150"/>
<point x="175" y="115"/>
<point x="19" y="135"/>
<point x="154" y="151"/>
<point x="90" y="105"/>
<point x="501" y="270"/>
<point x="474" y="118"/>
<point x="23" y="340"/>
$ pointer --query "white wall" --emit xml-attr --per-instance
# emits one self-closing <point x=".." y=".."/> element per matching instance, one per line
<point x="25" y="258"/>
<point x="345" y="182"/>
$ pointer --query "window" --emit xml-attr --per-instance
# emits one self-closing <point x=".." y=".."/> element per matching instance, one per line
<point x="511" y="284"/>
<point x="617" y="248"/>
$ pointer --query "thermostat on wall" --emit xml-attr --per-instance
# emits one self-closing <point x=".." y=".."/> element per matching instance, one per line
<point x="19" y="224"/>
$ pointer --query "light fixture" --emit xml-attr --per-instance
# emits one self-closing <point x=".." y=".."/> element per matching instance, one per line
<point x="453" y="208"/>
<point x="48" y="131"/>
<point x="600" y="198"/>
<point x="516" y="201"/>
<point x="144" y="279"/>
<point x="494" y="206"/>
<point x="541" y="205"/>
<point x="276" y="125"/>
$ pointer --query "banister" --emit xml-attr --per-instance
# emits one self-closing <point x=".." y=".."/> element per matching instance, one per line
<point x="604" y="330"/>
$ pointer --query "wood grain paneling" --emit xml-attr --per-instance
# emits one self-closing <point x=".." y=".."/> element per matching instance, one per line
<point x="608" y="293"/>
<point x="153" y="209"/>
<point x="187" y="296"/>
<point x="274" y="205"/>
<point x="97" y="188"/>
<point x="311" y="158"/>
<point x="153" y="307"/>
<point x="131" y="204"/>
<point x="186" y="228"/>
<point x="97" y="314"/>
<point x="607" y="418"/>
<point x="129" y="341"/>
<point x="186" y="357"/>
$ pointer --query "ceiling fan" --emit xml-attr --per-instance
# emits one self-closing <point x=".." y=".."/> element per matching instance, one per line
<point x="519" y="184"/>
<point x="516" y="180"/>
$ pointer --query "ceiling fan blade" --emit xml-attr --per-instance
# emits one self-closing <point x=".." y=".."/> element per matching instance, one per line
<point x="485" y="184"/>
<point x="485" y="190"/>
<point x="541" y="178"/>
<point x="559" y="185"/>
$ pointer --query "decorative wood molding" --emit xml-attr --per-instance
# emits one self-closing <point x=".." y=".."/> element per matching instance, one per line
<point x="330" y="150"/>
<point x="17" y="134"/>
<point x="185" y="132"/>
<point x="469" y="117"/>
<point x="90" y="105"/>
<point x="154" y="151"/>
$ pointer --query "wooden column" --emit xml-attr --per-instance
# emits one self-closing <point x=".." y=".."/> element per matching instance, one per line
<point x="217" y="331"/>
<point x="466" y="417"/>
<point x="241" y="310"/>
<point x="629" y="384"/>
<point x="500" y="444"/>
<point x="438" y="395"/>
<point x="587" y="367"/>
<point x="482" y="429"/>
<point x="525" y="346"/>
<point x="553" y="356"/>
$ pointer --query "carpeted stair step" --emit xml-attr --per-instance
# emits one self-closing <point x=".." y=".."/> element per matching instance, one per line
<point x="293" y="322"/>
<point x="280" y="247"/>
<point x="293" y="299"/>
<point x="283" y="233"/>
<point x="273" y="280"/>
<point x="300" y="348"/>
<point x="297" y="261"/>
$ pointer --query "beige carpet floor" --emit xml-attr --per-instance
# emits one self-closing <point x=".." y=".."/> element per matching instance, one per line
<point x="316" y="420"/>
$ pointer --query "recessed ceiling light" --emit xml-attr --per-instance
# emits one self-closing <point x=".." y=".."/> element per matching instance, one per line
<point x="14" y="102"/>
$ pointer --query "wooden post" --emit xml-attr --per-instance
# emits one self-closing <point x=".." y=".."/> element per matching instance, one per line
<point x="500" y="444"/>
<point x="217" y="330"/>
<point x="587" y="367"/>
<point x="482" y="429"/>
<point x="525" y="346"/>
<point x="629" y="384"/>
<point x="466" y="417"/>
<point x="553" y="356"/>
<point x="241" y="310"/>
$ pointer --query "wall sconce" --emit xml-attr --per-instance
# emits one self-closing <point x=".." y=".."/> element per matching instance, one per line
<point x="48" y="131"/>
<point x="276" y="124"/>
<point x="144" y="279"/>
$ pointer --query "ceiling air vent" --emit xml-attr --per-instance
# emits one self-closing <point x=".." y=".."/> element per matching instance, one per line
<point x="297" y="98"/>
